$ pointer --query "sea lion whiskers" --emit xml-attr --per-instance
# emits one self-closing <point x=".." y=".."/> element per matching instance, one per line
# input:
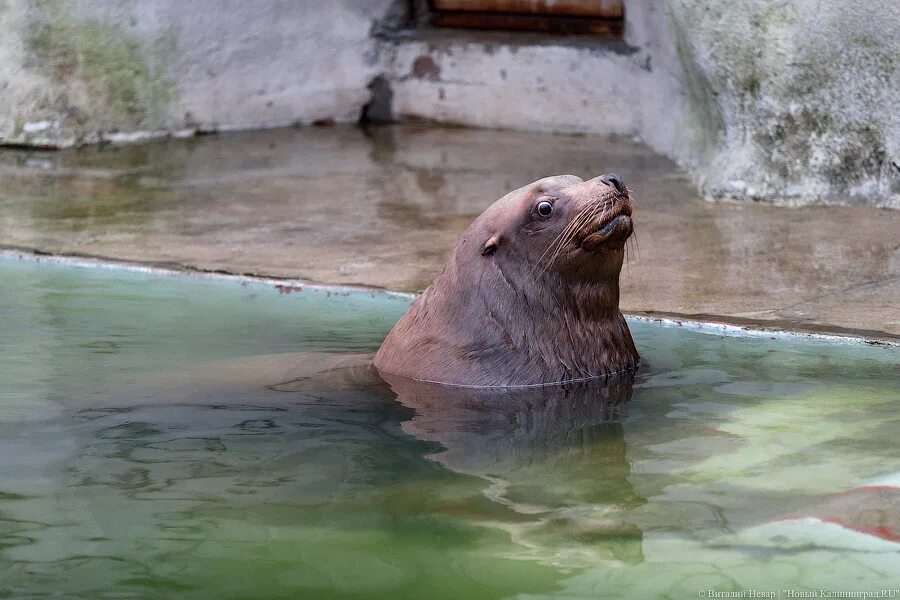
<point x="627" y="256"/>
<point x="571" y="230"/>
<point x="558" y="245"/>
<point x="590" y="212"/>
<point x="635" y="246"/>
<point x="633" y="238"/>
<point x="576" y="222"/>
<point x="559" y="240"/>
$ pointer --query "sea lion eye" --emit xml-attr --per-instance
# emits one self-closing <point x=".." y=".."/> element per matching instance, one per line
<point x="544" y="208"/>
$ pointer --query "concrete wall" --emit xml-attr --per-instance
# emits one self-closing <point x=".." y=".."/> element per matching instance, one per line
<point x="807" y="93"/>
<point x="522" y="82"/>
<point x="78" y="71"/>
<point x="792" y="102"/>
<point x="787" y="101"/>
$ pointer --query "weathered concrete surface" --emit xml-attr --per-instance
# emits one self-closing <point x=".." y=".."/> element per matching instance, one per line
<point x="793" y="102"/>
<point x="807" y="94"/>
<point x="633" y="87"/>
<point x="383" y="207"/>
<point x="88" y="70"/>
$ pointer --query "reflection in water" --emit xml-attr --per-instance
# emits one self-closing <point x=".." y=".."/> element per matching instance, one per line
<point x="556" y="454"/>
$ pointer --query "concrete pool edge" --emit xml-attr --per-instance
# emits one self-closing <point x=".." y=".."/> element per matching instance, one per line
<point x="284" y="285"/>
<point x="712" y="324"/>
<point x="739" y="327"/>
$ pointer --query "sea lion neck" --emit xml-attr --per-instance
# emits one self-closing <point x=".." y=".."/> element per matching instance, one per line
<point x="592" y="300"/>
<point x="481" y="327"/>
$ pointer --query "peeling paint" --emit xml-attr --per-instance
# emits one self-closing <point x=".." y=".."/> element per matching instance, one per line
<point x="424" y="67"/>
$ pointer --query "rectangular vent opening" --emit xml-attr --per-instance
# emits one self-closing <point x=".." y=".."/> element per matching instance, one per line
<point x="602" y="18"/>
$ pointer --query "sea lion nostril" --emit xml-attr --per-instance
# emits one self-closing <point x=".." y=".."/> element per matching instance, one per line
<point x="613" y="180"/>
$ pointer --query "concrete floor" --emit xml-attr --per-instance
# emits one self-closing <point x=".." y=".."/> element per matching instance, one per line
<point x="382" y="207"/>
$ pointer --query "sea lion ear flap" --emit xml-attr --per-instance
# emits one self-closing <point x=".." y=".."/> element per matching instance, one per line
<point x="491" y="245"/>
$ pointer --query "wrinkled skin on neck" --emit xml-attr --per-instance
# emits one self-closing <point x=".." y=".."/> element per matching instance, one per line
<point x="526" y="298"/>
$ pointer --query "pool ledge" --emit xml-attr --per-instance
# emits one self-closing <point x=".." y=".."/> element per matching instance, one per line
<point x="704" y="323"/>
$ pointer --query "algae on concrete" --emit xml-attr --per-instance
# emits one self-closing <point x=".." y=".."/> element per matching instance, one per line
<point x="810" y="98"/>
<point x="123" y="80"/>
<point x="101" y="78"/>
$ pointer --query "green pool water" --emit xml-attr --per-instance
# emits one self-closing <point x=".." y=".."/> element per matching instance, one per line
<point x="150" y="449"/>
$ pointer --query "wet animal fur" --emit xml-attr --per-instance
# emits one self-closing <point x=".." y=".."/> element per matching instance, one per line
<point x="520" y="302"/>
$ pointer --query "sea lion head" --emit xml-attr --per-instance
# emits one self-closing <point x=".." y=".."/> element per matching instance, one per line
<point x="564" y="224"/>
<point x="530" y="294"/>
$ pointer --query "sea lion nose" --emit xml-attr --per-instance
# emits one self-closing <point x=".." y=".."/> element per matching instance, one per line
<point x="613" y="180"/>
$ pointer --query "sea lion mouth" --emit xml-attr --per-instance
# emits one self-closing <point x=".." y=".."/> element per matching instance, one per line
<point x="611" y="235"/>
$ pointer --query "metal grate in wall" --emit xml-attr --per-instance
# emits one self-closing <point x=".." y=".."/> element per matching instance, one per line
<point x="603" y="18"/>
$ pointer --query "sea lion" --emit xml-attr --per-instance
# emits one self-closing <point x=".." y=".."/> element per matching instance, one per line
<point x="529" y="295"/>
